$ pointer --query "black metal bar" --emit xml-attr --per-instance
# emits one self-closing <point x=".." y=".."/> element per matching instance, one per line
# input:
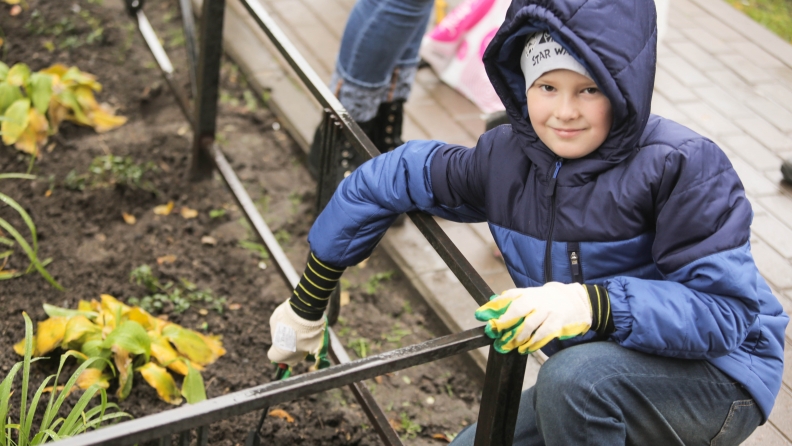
<point x="245" y="401"/>
<point x="457" y="262"/>
<point x="366" y="400"/>
<point x="208" y="85"/>
<point x="185" y="437"/>
<point x="500" y="398"/>
<point x="164" y="440"/>
<point x="163" y="61"/>
<point x="203" y="435"/>
<point x="188" y="25"/>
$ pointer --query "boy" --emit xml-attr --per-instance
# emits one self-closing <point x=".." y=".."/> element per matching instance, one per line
<point x="629" y="233"/>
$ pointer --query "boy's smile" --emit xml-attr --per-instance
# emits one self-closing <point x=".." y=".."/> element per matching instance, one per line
<point x="569" y="113"/>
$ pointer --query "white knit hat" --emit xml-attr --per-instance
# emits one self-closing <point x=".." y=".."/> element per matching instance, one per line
<point x="542" y="54"/>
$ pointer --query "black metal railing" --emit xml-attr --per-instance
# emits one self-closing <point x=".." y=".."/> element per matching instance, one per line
<point x="504" y="374"/>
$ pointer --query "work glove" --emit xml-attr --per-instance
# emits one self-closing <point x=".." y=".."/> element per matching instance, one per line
<point x="295" y="339"/>
<point x="528" y="318"/>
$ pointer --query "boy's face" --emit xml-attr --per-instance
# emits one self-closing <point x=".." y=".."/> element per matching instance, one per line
<point x="569" y="113"/>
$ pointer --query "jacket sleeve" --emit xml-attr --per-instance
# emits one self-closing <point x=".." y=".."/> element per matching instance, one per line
<point x="709" y="297"/>
<point x="368" y="201"/>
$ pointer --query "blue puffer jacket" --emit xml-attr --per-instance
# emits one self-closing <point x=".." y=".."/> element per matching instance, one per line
<point x="657" y="214"/>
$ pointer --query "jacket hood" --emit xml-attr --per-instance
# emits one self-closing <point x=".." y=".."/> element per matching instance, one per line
<point x="616" y="40"/>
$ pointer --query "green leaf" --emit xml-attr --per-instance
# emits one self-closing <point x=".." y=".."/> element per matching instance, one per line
<point x="41" y="91"/>
<point x="18" y="75"/>
<point x="132" y="337"/>
<point x="193" y="389"/>
<point x="8" y="94"/>
<point x="25" y="376"/>
<point x="3" y="72"/>
<point x="5" y="393"/>
<point x="53" y="311"/>
<point x="22" y="176"/>
<point x="16" y="120"/>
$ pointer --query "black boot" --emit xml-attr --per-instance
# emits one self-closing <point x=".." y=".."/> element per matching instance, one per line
<point x="390" y="117"/>
<point x="786" y="170"/>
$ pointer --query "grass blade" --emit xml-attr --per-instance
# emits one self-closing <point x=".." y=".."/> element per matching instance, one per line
<point x="51" y="411"/>
<point x="33" y="404"/>
<point x="23" y="440"/>
<point x="76" y="413"/>
<point x="5" y="395"/>
<point x="21" y="176"/>
<point x="25" y="216"/>
<point x="30" y="253"/>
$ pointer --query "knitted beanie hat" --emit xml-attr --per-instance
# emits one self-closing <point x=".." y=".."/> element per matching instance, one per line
<point x="542" y="54"/>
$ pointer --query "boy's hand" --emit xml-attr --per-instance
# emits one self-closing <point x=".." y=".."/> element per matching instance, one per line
<point x="528" y="318"/>
<point x="295" y="339"/>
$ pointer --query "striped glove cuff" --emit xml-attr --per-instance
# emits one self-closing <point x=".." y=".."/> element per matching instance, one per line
<point x="312" y="294"/>
<point x="601" y="316"/>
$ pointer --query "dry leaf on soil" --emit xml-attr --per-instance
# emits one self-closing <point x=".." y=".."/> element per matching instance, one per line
<point x="129" y="218"/>
<point x="170" y="258"/>
<point x="162" y="381"/>
<point x="234" y="307"/>
<point x="441" y="437"/>
<point x="344" y="298"/>
<point x="282" y="414"/>
<point x="164" y="209"/>
<point x="188" y="213"/>
<point x="15" y="10"/>
<point x="207" y="240"/>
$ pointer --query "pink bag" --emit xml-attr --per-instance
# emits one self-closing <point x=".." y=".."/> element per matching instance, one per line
<point x="455" y="47"/>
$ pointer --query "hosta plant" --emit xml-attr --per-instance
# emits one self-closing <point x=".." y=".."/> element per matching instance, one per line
<point x="33" y="104"/>
<point x="52" y="427"/>
<point x="131" y="340"/>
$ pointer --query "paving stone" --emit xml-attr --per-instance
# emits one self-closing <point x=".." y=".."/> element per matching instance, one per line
<point x="786" y="302"/>
<point x="718" y="28"/>
<point x="663" y="107"/>
<point x="782" y="412"/>
<point x="765" y="133"/>
<point x="756" y="55"/>
<point x="472" y="247"/>
<point x="454" y="103"/>
<point x="775" y="114"/>
<point x="673" y="35"/>
<point x="779" y="205"/>
<point x="678" y="20"/>
<point x="330" y="13"/>
<point x="320" y="43"/>
<point x="774" y="268"/>
<point x="671" y="88"/>
<point x="751" y="151"/>
<point x="474" y="125"/>
<point x="754" y="182"/>
<point x="713" y="122"/>
<point x="745" y="69"/>
<point x="776" y="234"/>
<point x="685" y="73"/>
<point x="433" y="120"/>
<point x="411" y="131"/>
<point x="757" y="207"/>
<point x="783" y="74"/>
<point x="411" y="245"/>
<point x="696" y="55"/>
<point x="686" y="7"/>
<point x="766" y="435"/>
<point x="723" y="102"/>
<point x="737" y="87"/>
<point x="706" y="40"/>
<point x="780" y="94"/>
<point x="294" y="13"/>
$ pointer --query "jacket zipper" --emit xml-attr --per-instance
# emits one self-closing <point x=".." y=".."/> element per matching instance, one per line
<point x="573" y="251"/>
<point x="550" y="191"/>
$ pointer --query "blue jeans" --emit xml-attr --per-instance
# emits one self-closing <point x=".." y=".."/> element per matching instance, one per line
<point x="379" y="54"/>
<point x="604" y="394"/>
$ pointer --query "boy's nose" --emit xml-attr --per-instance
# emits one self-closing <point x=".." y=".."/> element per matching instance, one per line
<point x="566" y="109"/>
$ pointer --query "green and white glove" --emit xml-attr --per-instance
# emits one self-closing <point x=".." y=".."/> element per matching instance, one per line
<point x="295" y="339"/>
<point x="527" y="319"/>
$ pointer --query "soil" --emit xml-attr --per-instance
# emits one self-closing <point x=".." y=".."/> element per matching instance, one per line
<point x="93" y="249"/>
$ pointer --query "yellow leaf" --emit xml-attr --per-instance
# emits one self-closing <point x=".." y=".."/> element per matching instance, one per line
<point x="60" y="388"/>
<point x="49" y="334"/>
<point x="74" y="77"/>
<point x="129" y="218"/>
<point x="162" y="382"/>
<point x="85" y="98"/>
<point x="103" y="120"/>
<point x="170" y="258"/>
<point x="123" y="363"/>
<point x="84" y="305"/>
<point x="441" y="437"/>
<point x="164" y="353"/>
<point x="190" y="344"/>
<point x="12" y="2"/>
<point x="15" y="120"/>
<point x="1" y="41"/>
<point x="91" y="376"/>
<point x="112" y="304"/>
<point x="188" y="213"/>
<point x="77" y="327"/>
<point x="147" y="321"/>
<point x="215" y="344"/>
<point x="56" y="70"/>
<point x="19" y="347"/>
<point x="282" y="414"/>
<point x="164" y="209"/>
<point x="35" y="134"/>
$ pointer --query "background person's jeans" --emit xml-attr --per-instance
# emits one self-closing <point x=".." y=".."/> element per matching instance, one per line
<point x="382" y="37"/>
<point x="603" y="394"/>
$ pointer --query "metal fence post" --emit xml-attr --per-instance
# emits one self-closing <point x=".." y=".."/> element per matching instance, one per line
<point x="500" y="398"/>
<point x="210" y="54"/>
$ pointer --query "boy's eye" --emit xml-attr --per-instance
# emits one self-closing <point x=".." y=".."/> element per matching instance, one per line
<point x="591" y="90"/>
<point x="547" y="88"/>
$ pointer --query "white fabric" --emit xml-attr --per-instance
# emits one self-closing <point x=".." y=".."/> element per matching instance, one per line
<point x="543" y="54"/>
<point x="550" y="310"/>
<point x="292" y="336"/>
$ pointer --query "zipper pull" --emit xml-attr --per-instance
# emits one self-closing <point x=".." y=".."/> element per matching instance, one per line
<point x="551" y="185"/>
<point x="573" y="250"/>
